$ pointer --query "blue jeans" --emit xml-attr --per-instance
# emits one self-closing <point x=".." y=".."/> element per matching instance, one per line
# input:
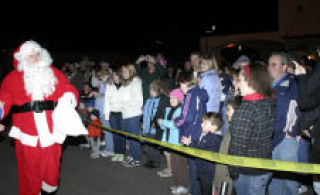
<point x="132" y="125"/>
<point x="252" y="184"/>
<point x="225" y="123"/>
<point x="285" y="183"/>
<point x="303" y="150"/>
<point x="108" y="137"/>
<point x="194" y="182"/>
<point x="118" y="140"/>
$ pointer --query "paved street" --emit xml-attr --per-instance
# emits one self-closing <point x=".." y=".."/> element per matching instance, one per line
<point x="81" y="175"/>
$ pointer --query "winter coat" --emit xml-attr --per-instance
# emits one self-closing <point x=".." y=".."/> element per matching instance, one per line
<point x="171" y="132"/>
<point x="193" y="107"/>
<point x="210" y="81"/>
<point x="206" y="169"/>
<point x="94" y="131"/>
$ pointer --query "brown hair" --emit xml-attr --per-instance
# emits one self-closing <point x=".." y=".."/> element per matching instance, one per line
<point x="259" y="78"/>
<point x="160" y="88"/>
<point x="187" y="78"/>
<point x="116" y="72"/>
<point x="132" y="74"/>
<point x="214" y="118"/>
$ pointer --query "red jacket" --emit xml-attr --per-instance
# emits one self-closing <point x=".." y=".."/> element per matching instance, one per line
<point x="94" y="131"/>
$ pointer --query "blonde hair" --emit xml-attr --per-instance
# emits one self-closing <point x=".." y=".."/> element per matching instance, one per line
<point x="132" y="73"/>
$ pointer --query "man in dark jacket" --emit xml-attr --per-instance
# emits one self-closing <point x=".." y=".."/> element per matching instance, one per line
<point x="309" y="103"/>
<point x="152" y="72"/>
<point x="285" y="145"/>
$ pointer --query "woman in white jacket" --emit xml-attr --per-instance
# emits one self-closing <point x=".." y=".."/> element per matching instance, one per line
<point x="113" y="114"/>
<point x="131" y="101"/>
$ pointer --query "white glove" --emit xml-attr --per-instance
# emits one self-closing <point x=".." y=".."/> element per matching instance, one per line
<point x="68" y="97"/>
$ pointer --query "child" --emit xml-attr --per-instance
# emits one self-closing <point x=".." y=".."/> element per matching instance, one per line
<point x="171" y="133"/>
<point x="210" y="141"/>
<point x="189" y="122"/>
<point x="252" y="127"/>
<point x="94" y="133"/>
<point x="222" y="181"/>
<point x="157" y="91"/>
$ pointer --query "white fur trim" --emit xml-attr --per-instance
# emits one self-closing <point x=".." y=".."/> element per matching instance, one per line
<point x="44" y="134"/>
<point x="48" y="188"/>
<point x="69" y="97"/>
<point x="58" y="137"/>
<point x="24" y="138"/>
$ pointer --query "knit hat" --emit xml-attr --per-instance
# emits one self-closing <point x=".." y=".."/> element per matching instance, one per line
<point x="177" y="93"/>
<point x="242" y="58"/>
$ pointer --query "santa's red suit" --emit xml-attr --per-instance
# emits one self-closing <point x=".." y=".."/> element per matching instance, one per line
<point x="38" y="147"/>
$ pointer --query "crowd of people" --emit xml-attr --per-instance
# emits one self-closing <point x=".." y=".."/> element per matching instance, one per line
<point x="251" y="108"/>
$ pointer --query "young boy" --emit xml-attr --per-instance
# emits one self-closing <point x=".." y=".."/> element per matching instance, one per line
<point x="222" y="181"/>
<point x="209" y="140"/>
<point x="94" y="133"/>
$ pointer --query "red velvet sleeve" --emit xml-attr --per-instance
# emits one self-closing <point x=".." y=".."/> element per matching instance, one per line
<point x="5" y="95"/>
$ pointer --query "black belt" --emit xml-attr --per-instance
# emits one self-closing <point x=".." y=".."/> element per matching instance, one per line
<point x="35" y="106"/>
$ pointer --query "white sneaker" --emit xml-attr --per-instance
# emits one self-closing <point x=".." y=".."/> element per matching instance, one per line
<point x="180" y="190"/>
<point x="162" y="171"/>
<point x="165" y="173"/>
<point x="120" y="157"/>
<point x="303" y="189"/>
<point x="105" y="153"/>
<point x="115" y="158"/>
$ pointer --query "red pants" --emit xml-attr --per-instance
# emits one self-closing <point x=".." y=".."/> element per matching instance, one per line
<point x="37" y="168"/>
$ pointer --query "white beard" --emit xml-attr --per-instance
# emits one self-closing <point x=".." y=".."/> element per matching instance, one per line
<point x="39" y="79"/>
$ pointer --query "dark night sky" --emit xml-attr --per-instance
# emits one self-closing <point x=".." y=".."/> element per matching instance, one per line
<point x="177" y="29"/>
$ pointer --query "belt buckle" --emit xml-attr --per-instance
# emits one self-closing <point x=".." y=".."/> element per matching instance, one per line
<point x="36" y="107"/>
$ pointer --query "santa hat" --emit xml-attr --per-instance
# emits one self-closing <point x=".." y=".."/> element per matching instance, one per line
<point x="177" y="93"/>
<point x="26" y="48"/>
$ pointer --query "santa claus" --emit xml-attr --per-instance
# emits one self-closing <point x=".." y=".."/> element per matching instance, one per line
<point x="33" y="91"/>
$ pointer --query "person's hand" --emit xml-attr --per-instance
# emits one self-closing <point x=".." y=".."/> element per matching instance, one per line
<point x="186" y="140"/>
<point x="299" y="70"/>
<point x="306" y="133"/>
<point x="160" y="122"/>
<point x="94" y="94"/>
<point x="140" y="59"/>
<point x="2" y="127"/>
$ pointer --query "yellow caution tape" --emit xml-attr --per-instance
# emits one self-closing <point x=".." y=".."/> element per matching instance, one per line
<point x="231" y="159"/>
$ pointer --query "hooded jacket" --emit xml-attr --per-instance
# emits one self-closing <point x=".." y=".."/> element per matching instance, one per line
<point x="193" y="107"/>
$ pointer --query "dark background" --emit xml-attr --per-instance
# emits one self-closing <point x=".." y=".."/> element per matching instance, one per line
<point x="156" y="26"/>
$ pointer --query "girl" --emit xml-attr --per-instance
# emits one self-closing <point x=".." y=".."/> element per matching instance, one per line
<point x="189" y="122"/>
<point x="251" y="129"/>
<point x="131" y="102"/>
<point x="177" y="164"/>
<point x="171" y="132"/>
<point x="158" y="91"/>
<point x="113" y="114"/>
<point x="210" y="81"/>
